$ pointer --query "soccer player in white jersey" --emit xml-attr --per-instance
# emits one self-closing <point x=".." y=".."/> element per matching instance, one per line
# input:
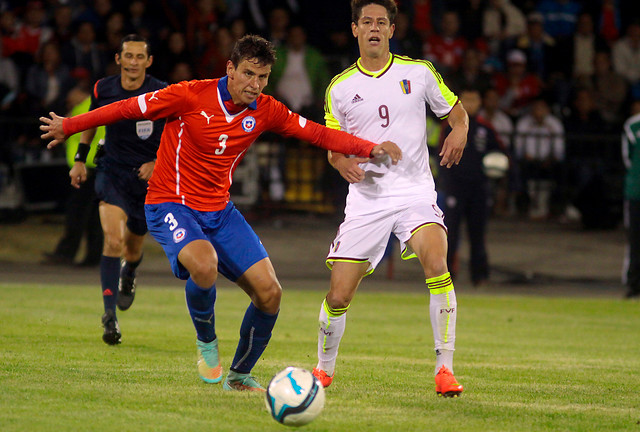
<point x="383" y="97"/>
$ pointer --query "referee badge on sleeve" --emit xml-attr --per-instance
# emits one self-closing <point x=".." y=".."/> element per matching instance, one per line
<point x="405" y="85"/>
<point x="144" y="129"/>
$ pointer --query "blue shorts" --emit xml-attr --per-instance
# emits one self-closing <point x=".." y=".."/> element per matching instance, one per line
<point x="175" y="225"/>
<point x="121" y="187"/>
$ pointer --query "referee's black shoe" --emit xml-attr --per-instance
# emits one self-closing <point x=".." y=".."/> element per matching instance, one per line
<point x="112" y="333"/>
<point x="126" y="289"/>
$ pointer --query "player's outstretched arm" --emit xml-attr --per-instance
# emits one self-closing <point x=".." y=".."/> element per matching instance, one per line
<point x="455" y="142"/>
<point x="53" y="130"/>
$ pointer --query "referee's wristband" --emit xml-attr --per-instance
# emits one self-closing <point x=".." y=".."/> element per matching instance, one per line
<point x="81" y="154"/>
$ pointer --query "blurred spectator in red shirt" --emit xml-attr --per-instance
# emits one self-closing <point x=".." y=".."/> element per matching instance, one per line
<point x="446" y="49"/>
<point x="609" y="21"/>
<point x="516" y="87"/>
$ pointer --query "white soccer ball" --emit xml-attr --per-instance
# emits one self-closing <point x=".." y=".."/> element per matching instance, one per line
<point x="495" y="164"/>
<point x="294" y="396"/>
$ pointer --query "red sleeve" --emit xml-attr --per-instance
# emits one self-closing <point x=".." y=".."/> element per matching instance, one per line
<point x="288" y="123"/>
<point x="153" y="105"/>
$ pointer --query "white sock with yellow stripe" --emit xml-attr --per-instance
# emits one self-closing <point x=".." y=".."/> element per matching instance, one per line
<point x="331" y="327"/>
<point x="443" y="310"/>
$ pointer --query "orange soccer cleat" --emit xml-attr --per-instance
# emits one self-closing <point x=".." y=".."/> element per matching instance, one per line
<point x="322" y="376"/>
<point x="446" y="383"/>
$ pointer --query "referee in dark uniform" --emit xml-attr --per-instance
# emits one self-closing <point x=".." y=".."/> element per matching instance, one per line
<point x="125" y="164"/>
<point x="466" y="190"/>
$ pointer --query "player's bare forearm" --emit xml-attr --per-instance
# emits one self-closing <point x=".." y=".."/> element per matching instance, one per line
<point x="88" y="135"/>
<point x="334" y="157"/>
<point x="455" y="142"/>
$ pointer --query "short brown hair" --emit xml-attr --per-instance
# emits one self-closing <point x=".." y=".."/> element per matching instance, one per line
<point x="253" y="47"/>
<point x="389" y="5"/>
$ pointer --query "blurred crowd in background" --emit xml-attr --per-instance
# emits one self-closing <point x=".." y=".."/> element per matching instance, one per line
<point x="558" y="79"/>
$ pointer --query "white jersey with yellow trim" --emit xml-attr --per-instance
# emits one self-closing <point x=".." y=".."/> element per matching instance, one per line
<point x="390" y="105"/>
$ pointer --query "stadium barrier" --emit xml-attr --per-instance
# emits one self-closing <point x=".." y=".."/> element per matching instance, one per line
<point x="287" y="175"/>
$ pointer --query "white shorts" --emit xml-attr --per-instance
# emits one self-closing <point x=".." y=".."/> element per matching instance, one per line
<point x="364" y="237"/>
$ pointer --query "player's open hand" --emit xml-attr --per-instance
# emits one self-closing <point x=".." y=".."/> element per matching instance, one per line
<point x="389" y="148"/>
<point x="350" y="170"/>
<point x="453" y="147"/>
<point x="53" y="130"/>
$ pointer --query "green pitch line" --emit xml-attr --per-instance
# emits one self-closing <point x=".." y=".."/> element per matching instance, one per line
<point x="527" y="364"/>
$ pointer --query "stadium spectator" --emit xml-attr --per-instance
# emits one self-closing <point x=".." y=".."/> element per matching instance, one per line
<point x="188" y="208"/>
<point x="631" y="157"/>
<point x="406" y="40"/>
<point x="213" y="61"/>
<point x="609" y="21"/>
<point x="48" y="81"/>
<point x="537" y="45"/>
<point x="586" y="155"/>
<point x="516" y="87"/>
<point x="560" y="16"/>
<point x="114" y="32"/>
<point x="424" y="15"/>
<point x="9" y="81"/>
<point x="83" y="51"/>
<point x="609" y="88"/>
<point x="501" y="21"/>
<point x="467" y="192"/>
<point x="82" y="219"/>
<point x="470" y="74"/>
<point x="62" y="24"/>
<point x="33" y="32"/>
<point x="181" y="72"/>
<point x="499" y="120"/>
<point x="279" y="21"/>
<point x="581" y="48"/>
<point x="445" y="49"/>
<point x="504" y="189"/>
<point x="173" y="53"/>
<point x="300" y="76"/>
<point x="539" y="147"/>
<point x="470" y="25"/>
<point x="626" y="57"/>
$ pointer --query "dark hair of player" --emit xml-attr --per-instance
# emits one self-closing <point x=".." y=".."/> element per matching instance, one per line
<point x="132" y="38"/>
<point x="389" y="5"/>
<point x="253" y="47"/>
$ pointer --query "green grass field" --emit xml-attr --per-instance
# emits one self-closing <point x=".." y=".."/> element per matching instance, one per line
<point x="527" y="364"/>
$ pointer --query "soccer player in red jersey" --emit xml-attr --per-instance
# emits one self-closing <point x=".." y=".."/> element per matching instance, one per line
<point x="210" y="125"/>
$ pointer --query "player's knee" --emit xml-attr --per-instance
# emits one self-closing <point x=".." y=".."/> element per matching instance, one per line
<point x="204" y="273"/>
<point x="435" y="267"/>
<point x="268" y="297"/>
<point x="113" y="245"/>
<point x="337" y="300"/>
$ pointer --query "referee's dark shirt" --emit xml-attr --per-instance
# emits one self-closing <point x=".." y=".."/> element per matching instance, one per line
<point x="128" y="143"/>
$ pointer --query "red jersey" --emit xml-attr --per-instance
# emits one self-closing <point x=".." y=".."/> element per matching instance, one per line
<point x="203" y="143"/>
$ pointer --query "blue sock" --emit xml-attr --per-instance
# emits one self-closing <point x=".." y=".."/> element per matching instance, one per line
<point x="109" y="277"/>
<point x="255" y="333"/>
<point x="200" y="302"/>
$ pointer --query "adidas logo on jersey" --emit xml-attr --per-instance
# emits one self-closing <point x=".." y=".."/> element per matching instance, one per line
<point x="356" y="98"/>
